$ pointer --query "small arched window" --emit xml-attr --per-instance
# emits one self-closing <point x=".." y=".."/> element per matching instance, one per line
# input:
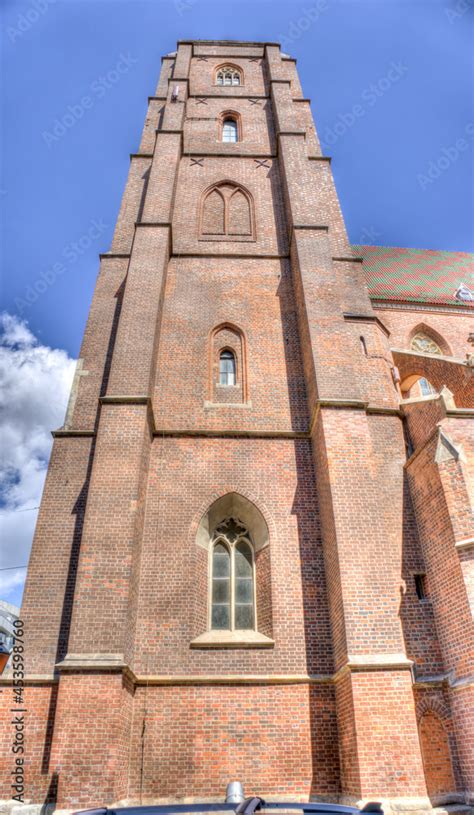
<point x="230" y="132"/>
<point x="233" y="584"/>
<point x="228" y="76"/>
<point x="226" y="368"/>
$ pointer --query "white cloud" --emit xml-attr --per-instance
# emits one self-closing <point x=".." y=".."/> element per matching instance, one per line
<point x="34" y="388"/>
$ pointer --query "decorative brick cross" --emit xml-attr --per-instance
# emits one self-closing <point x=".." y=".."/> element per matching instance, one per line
<point x="201" y="101"/>
<point x="262" y="163"/>
<point x="197" y="161"/>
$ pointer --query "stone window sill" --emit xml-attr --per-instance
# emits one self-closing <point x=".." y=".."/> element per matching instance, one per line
<point x="232" y="639"/>
<point x="227" y="405"/>
<point x="229" y="238"/>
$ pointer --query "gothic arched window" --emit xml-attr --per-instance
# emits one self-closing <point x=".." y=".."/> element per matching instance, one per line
<point x="226" y="368"/>
<point x="230" y="133"/>
<point x="228" y="75"/>
<point x="233" y="578"/>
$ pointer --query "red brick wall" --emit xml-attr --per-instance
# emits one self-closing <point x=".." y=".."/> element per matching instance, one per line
<point x="185" y="476"/>
<point x="39" y="721"/>
<point x="436" y="755"/>
<point x="197" y="739"/>
<point x="388" y="754"/>
<point x="91" y="743"/>
<point x="451" y="326"/>
<point x="457" y="377"/>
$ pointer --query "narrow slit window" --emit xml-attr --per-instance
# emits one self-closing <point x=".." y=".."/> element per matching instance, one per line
<point x="226" y="368"/>
<point x="243" y="586"/>
<point x="229" y="131"/>
<point x="420" y="586"/>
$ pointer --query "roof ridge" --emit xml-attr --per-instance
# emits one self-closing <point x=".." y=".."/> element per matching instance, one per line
<point x="412" y="249"/>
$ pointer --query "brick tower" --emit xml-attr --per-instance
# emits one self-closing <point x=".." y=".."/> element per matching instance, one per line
<point x="216" y="585"/>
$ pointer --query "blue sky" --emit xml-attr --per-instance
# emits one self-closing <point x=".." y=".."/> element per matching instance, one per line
<point x="52" y="191"/>
<point x="391" y="85"/>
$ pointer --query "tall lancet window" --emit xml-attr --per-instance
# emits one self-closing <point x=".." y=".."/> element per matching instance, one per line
<point x="233" y="581"/>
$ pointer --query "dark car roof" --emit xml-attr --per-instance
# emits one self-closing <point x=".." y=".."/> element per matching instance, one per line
<point x="180" y="809"/>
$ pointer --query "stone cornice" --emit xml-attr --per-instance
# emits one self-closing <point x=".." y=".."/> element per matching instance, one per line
<point x="418" y="355"/>
<point x="410" y="305"/>
<point x="215" y="154"/>
<point x="364" y="318"/>
<point x="373" y="662"/>
<point x="227" y="95"/>
<point x="115" y="663"/>
<point x="64" y="432"/>
<point x="203" y="432"/>
<point x="124" y="400"/>
<point x="463" y="545"/>
<point x="240" y="255"/>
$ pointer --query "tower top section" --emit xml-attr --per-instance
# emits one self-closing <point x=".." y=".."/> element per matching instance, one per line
<point x="231" y="44"/>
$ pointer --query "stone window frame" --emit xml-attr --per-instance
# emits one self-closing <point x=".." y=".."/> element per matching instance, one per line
<point x="241" y="363"/>
<point x="425" y="331"/>
<point x="223" y="117"/>
<point x="237" y="504"/>
<point x="229" y="67"/>
<point x="226" y="236"/>
<point x="220" y="537"/>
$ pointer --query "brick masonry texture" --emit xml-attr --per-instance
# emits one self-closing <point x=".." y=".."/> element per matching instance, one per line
<point x="352" y="687"/>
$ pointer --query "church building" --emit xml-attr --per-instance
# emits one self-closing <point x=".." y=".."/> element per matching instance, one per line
<point x="254" y="557"/>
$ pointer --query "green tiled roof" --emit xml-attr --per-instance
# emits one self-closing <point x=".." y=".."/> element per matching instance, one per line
<point x="418" y="275"/>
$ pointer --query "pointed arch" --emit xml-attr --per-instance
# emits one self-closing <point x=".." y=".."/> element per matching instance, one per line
<point x="235" y="521"/>
<point x="423" y="332"/>
<point x="239" y="220"/>
<point x="213" y="213"/>
<point x="437" y="758"/>
<point x="227" y="116"/>
<point x="226" y="212"/>
<point x="227" y="74"/>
